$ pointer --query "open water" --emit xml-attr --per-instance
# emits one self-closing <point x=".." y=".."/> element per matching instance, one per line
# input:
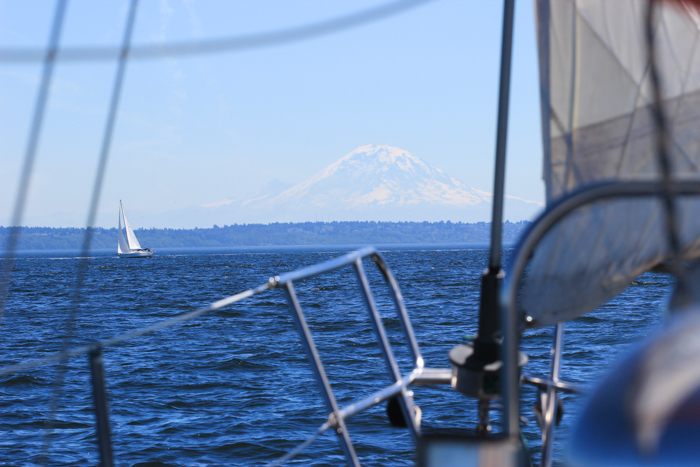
<point x="234" y="387"/>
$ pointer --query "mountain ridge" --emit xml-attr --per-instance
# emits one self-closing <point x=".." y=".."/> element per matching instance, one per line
<point x="375" y="182"/>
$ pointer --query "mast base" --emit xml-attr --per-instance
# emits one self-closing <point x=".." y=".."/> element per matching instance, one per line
<point x="479" y="380"/>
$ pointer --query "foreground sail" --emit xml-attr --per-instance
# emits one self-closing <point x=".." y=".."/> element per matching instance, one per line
<point x="598" y="126"/>
<point x="127" y="245"/>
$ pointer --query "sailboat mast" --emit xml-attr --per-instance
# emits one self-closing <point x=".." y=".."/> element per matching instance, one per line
<point x="486" y="350"/>
<point x="501" y="136"/>
<point x="472" y="361"/>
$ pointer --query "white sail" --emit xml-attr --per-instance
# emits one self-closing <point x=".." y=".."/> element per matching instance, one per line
<point x="130" y="237"/>
<point x="597" y="126"/>
<point x="122" y="245"/>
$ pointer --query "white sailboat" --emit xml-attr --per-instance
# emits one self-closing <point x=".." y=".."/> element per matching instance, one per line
<point x="128" y="246"/>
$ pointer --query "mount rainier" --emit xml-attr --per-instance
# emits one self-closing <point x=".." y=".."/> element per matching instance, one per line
<point x="371" y="183"/>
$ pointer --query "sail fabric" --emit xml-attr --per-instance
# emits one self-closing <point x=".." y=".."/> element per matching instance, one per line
<point x="122" y="245"/>
<point x="598" y="126"/>
<point x="130" y="237"/>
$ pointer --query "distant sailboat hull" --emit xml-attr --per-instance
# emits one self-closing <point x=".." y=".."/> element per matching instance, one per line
<point x="137" y="254"/>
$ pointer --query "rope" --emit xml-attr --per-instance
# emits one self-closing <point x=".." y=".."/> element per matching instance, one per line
<point x="49" y="58"/>
<point x="81" y="274"/>
<point x="296" y="451"/>
<point x="664" y="161"/>
<point x="225" y="44"/>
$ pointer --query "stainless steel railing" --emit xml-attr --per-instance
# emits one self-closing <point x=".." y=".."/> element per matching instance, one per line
<point x="419" y="375"/>
<point x="399" y="387"/>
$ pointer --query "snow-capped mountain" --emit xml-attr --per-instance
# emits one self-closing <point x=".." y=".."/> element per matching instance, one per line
<point x="376" y="183"/>
<point x="378" y="176"/>
<point x="372" y="183"/>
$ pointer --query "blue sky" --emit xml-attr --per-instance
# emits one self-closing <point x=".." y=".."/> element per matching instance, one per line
<point x="197" y="130"/>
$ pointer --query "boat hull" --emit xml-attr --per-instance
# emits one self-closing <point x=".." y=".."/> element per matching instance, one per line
<point x="136" y="254"/>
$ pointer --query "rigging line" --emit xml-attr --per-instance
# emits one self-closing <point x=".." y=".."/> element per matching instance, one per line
<point x="87" y="238"/>
<point x="296" y="451"/>
<point x="120" y="339"/>
<point x="664" y="159"/>
<point x="49" y="57"/>
<point x="225" y="44"/>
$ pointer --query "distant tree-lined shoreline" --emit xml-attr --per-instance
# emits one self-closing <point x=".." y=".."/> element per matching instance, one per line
<point x="275" y="234"/>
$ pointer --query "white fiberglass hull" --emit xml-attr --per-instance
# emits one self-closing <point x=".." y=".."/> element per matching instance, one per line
<point x="137" y="254"/>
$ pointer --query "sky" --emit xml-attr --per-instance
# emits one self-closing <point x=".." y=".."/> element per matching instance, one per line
<point x="200" y="129"/>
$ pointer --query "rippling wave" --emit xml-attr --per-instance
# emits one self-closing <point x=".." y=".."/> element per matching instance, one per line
<point x="234" y="387"/>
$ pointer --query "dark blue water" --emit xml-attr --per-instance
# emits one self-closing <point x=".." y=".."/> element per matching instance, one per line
<point x="234" y="387"/>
